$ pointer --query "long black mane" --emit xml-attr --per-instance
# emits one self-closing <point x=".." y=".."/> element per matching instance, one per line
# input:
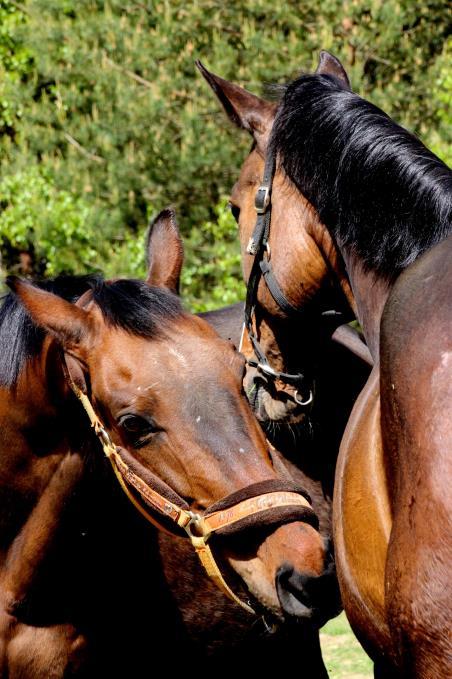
<point x="376" y="187"/>
<point x="130" y="304"/>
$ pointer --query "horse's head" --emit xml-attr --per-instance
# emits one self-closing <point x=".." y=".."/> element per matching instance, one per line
<point x="301" y="254"/>
<point x="169" y="392"/>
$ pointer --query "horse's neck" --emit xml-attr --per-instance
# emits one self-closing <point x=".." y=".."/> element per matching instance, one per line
<point x="38" y="474"/>
<point x="33" y="426"/>
<point x="370" y="293"/>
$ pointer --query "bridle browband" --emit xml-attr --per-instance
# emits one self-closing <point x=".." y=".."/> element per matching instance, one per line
<point x="258" y="246"/>
<point x="267" y="503"/>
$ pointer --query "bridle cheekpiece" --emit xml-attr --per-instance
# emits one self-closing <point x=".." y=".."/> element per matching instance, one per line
<point x="258" y="247"/>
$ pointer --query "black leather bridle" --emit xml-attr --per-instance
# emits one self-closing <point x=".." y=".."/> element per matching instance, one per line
<point x="259" y="248"/>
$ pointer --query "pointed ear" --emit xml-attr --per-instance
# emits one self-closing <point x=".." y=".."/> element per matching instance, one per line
<point x="164" y="251"/>
<point x="68" y="323"/>
<point x="331" y="66"/>
<point x="244" y="109"/>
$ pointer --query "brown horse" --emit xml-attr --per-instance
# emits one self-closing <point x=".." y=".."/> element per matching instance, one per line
<point x="169" y="391"/>
<point x="355" y="199"/>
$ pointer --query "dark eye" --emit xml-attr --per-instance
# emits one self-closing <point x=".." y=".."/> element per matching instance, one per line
<point x="235" y="211"/>
<point x="137" y="429"/>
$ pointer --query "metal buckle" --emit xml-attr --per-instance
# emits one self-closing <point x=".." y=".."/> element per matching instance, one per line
<point x="268" y="370"/>
<point x="200" y="534"/>
<point x="262" y="199"/>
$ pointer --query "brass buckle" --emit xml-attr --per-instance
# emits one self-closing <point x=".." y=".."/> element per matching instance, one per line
<point x="262" y="199"/>
<point x="200" y="535"/>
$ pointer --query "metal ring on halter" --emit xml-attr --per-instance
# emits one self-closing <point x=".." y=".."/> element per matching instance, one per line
<point x="300" y="401"/>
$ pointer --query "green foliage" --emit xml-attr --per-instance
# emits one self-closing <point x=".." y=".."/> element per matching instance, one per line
<point x="211" y="276"/>
<point x="53" y="224"/>
<point x="14" y="63"/>
<point x="103" y="96"/>
<point x="439" y="137"/>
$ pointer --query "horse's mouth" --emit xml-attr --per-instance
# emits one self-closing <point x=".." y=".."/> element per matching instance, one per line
<point x="275" y="405"/>
<point x="255" y="596"/>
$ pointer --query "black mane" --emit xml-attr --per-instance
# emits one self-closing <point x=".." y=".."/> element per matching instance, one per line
<point x="129" y="304"/>
<point x="376" y="187"/>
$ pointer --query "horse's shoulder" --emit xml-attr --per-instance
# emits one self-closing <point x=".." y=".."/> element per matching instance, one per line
<point x="417" y="319"/>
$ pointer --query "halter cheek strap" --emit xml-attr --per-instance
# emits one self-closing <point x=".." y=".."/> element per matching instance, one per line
<point x="259" y="248"/>
<point x="266" y="503"/>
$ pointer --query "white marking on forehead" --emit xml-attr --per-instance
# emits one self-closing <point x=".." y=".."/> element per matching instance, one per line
<point x="180" y="357"/>
<point x="445" y="358"/>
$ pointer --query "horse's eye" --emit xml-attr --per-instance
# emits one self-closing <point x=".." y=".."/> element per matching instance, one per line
<point x="235" y="211"/>
<point x="137" y="429"/>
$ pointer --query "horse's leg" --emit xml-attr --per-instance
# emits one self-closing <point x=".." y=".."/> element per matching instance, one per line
<point x="289" y="647"/>
<point x="312" y="661"/>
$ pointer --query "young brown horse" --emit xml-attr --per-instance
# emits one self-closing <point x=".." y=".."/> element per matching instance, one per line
<point x="153" y="373"/>
<point x="356" y="199"/>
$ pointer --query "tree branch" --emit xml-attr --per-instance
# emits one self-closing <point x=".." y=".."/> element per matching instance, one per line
<point x="131" y="74"/>
<point x="82" y="150"/>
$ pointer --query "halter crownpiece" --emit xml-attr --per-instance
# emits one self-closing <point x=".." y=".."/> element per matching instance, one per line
<point x="266" y="503"/>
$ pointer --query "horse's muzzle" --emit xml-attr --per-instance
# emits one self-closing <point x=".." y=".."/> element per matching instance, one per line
<point x="306" y="598"/>
<point x="272" y="405"/>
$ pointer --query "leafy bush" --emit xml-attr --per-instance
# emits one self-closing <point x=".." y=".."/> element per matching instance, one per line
<point x="103" y="97"/>
<point x="54" y="225"/>
<point x="212" y="273"/>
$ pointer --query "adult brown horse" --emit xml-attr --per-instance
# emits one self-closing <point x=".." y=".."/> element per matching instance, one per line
<point x="152" y="372"/>
<point x="357" y="199"/>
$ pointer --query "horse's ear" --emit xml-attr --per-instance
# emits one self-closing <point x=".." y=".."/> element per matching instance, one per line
<point x="330" y="65"/>
<point x="244" y="109"/>
<point x="164" y="251"/>
<point x="71" y="325"/>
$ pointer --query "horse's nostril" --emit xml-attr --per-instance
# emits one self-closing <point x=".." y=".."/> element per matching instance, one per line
<point x="292" y="593"/>
<point x="309" y="597"/>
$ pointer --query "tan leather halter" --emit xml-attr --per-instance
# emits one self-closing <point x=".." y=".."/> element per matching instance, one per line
<point x="227" y="516"/>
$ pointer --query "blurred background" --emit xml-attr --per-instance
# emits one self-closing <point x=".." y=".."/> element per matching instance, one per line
<point x="104" y="119"/>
